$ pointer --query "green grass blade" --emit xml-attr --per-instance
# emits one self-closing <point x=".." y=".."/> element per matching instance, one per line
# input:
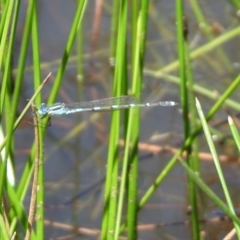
<point x="110" y="200"/>
<point x="234" y="132"/>
<point x="217" y="163"/>
<point x="4" y="234"/>
<point x="209" y="192"/>
<point x="6" y="26"/>
<point x="209" y="46"/>
<point x="188" y="141"/>
<point x="139" y="30"/>
<point x="39" y="166"/>
<point x="186" y="93"/>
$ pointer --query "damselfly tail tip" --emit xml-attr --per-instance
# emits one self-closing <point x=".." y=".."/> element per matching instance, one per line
<point x="168" y="103"/>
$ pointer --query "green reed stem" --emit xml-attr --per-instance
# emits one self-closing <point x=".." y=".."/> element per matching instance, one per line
<point x="186" y="83"/>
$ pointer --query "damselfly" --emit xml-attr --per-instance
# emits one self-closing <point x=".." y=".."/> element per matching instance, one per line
<point x="105" y="104"/>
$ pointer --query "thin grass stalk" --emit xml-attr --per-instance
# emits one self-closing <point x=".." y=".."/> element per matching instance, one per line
<point x="6" y="155"/>
<point x="203" y="24"/>
<point x="111" y="186"/>
<point x="78" y="18"/>
<point x="197" y="52"/>
<point x="79" y="61"/>
<point x="39" y="144"/>
<point x="81" y="7"/>
<point x="40" y="213"/>
<point x="3" y="175"/>
<point x="36" y="54"/>
<point x="182" y="72"/>
<point x="17" y="197"/>
<point x="4" y="162"/>
<point x="17" y="212"/>
<point x="79" y="45"/>
<point x="217" y="163"/>
<point x="16" y="95"/>
<point x="5" y="11"/>
<point x="114" y="31"/>
<point x="21" y="191"/>
<point x="3" y="143"/>
<point x="186" y="145"/>
<point x="120" y="85"/>
<point x="3" y="44"/>
<point x="5" y="90"/>
<point x="132" y="130"/>
<point x="193" y="160"/>
<point x="124" y="179"/>
<point x="8" y="62"/>
<point x="4" y="221"/>
<point x="4" y="81"/>
<point x="111" y="183"/>
<point x="80" y="94"/>
<point x="236" y="137"/>
<point x="79" y="67"/>
<point x="203" y="91"/>
<point x="184" y="63"/>
<point x="32" y="206"/>
<point x="188" y="142"/>
<point x="5" y="235"/>
<point x="22" y="60"/>
<point x="134" y="17"/>
<point x="134" y="117"/>
<point x="200" y="183"/>
<point x="234" y="132"/>
<point x="223" y="97"/>
<point x="120" y="79"/>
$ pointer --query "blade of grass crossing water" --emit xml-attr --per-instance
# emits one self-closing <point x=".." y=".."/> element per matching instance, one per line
<point x="111" y="188"/>
<point x="139" y="43"/>
<point x="209" y="192"/>
<point x="9" y="11"/>
<point x="111" y="184"/>
<point x="189" y="110"/>
<point x="131" y="158"/>
<point x="187" y="142"/>
<point x="217" y="163"/>
<point x="234" y="132"/>
<point x="38" y="163"/>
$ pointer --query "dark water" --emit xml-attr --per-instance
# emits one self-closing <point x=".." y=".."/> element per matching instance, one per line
<point x="76" y="146"/>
